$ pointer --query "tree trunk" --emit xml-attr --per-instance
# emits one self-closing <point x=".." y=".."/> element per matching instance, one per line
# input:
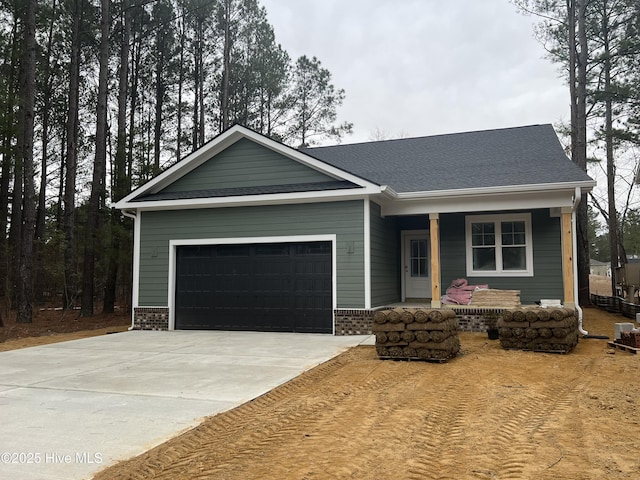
<point x="614" y="241"/>
<point x="197" y="53"/>
<point x="226" y="65"/>
<point x="5" y="177"/>
<point x="70" y="275"/>
<point x="6" y="265"/>
<point x="25" y="139"/>
<point x="573" y="64"/>
<point x="15" y="228"/>
<point x="119" y="187"/>
<point x="47" y="94"/>
<point x="160" y="92"/>
<point x="180" y="85"/>
<point x="99" y="166"/>
<point x="61" y="173"/>
<point x="46" y="109"/>
<point x="201" y="83"/>
<point x="135" y="75"/>
<point x="579" y="154"/>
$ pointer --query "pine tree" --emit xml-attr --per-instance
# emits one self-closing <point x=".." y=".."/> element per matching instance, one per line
<point x="314" y="101"/>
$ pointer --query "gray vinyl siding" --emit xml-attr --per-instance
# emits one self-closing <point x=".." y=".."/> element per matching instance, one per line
<point x="345" y="219"/>
<point x="547" y="258"/>
<point x="385" y="255"/>
<point x="246" y="164"/>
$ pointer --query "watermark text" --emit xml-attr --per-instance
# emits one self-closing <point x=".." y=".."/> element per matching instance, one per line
<point x="37" y="458"/>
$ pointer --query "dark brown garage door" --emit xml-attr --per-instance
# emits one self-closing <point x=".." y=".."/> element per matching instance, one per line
<point x="275" y="287"/>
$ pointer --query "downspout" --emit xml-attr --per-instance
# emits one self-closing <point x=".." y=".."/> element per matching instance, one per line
<point x="133" y="216"/>
<point x="576" y="200"/>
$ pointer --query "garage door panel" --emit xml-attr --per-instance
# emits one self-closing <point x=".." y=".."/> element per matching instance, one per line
<point x="267" y="287"/>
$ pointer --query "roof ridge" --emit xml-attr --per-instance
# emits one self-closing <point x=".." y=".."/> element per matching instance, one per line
<point x="389" y="140"/>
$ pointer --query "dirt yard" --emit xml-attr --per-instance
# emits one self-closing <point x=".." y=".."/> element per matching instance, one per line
<point x="52" y="325"/>
<point x="487" y="414"/>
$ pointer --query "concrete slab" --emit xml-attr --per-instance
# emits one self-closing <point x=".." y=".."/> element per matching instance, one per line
<point x="70" y="409"/>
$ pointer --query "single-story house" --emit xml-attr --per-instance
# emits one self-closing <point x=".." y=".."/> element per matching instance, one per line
<point x="596" y="267"/>
<point x="246" y="233"/>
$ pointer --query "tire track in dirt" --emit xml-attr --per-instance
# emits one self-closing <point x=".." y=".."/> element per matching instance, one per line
<point x="286" y="416"/>
<point x="505" y="454"/>
<point x="563" y="415"/>
<point x="441" y="435"/>
<point x="228" y="429"/>
<point x="389" y="421"/>
<point x="538" y="424"/>
<point x="318" y="423"/>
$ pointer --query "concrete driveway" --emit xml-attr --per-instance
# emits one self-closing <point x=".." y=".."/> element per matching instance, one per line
<point x="69" y="410"/>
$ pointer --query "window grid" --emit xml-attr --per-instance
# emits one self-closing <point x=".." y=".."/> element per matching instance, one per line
<point x="499" y="245"/>
<point x="419" y="258"/>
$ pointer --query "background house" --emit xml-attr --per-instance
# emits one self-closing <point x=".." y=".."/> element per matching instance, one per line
<point x="597" y="267"/>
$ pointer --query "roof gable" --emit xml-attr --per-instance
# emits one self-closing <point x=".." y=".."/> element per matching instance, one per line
<point x="246" y="164"/>
<point x="242" y="166"/>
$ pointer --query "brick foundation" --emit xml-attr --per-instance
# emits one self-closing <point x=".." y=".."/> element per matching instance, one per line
<point x="151" y="318"/>
<point x="347" y="321"/>
<point x="353" y="322"/>
<point x="472" y="319"/>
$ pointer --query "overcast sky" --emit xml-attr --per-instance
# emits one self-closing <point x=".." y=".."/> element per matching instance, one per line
<point x="425" y="67"/>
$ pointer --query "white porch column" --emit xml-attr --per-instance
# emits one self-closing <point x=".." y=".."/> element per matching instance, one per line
<point x="434" y="237"/>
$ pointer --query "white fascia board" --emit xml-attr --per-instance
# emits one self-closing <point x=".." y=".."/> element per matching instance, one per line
<point x="220" y="143"/>
<point x="253" y="200"/>
<point x="545" y="187"/>
<point x="480" y="202"/>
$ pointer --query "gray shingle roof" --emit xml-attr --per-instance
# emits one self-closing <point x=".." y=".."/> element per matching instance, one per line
<point x="492" y="158"/>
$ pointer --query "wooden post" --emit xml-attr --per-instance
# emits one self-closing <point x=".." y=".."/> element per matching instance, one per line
<point x="567" y="258"/>
<point x="434" y="237"/>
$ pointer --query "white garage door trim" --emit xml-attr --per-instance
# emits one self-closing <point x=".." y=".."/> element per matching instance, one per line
<point x="173" y="244"/>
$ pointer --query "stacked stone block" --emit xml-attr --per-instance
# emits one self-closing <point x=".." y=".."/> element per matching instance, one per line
<point x="416" y="334"/>
<point x="539" y="329"/>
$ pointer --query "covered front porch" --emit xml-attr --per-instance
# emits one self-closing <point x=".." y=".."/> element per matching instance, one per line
<point x="416" y="249"/>
<point x="528" y="252"/>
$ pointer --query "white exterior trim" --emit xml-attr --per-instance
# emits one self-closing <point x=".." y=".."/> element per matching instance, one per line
<point x="135" y="294"/>
<point x="403" y="281"/>
<point x="492" y="190"/>
<point x="367" y="254"/>
<point x="173" y="244"/>
<point x="527" y="200"/>
<point x="251" y="200"/>
<point x="499" y="272"/>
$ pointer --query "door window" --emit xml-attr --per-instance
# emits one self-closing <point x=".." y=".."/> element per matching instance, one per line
<point x="419" y="258"/>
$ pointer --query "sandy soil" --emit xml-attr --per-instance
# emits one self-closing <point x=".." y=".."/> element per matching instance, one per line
<point x="487" y="414"/>
<point x="52" y="325"/>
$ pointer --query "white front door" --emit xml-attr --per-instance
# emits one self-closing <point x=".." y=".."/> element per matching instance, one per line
<point x="416" y="265"/>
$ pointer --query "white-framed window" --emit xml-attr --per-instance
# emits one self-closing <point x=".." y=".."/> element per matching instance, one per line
<point x="499" y="245"/>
